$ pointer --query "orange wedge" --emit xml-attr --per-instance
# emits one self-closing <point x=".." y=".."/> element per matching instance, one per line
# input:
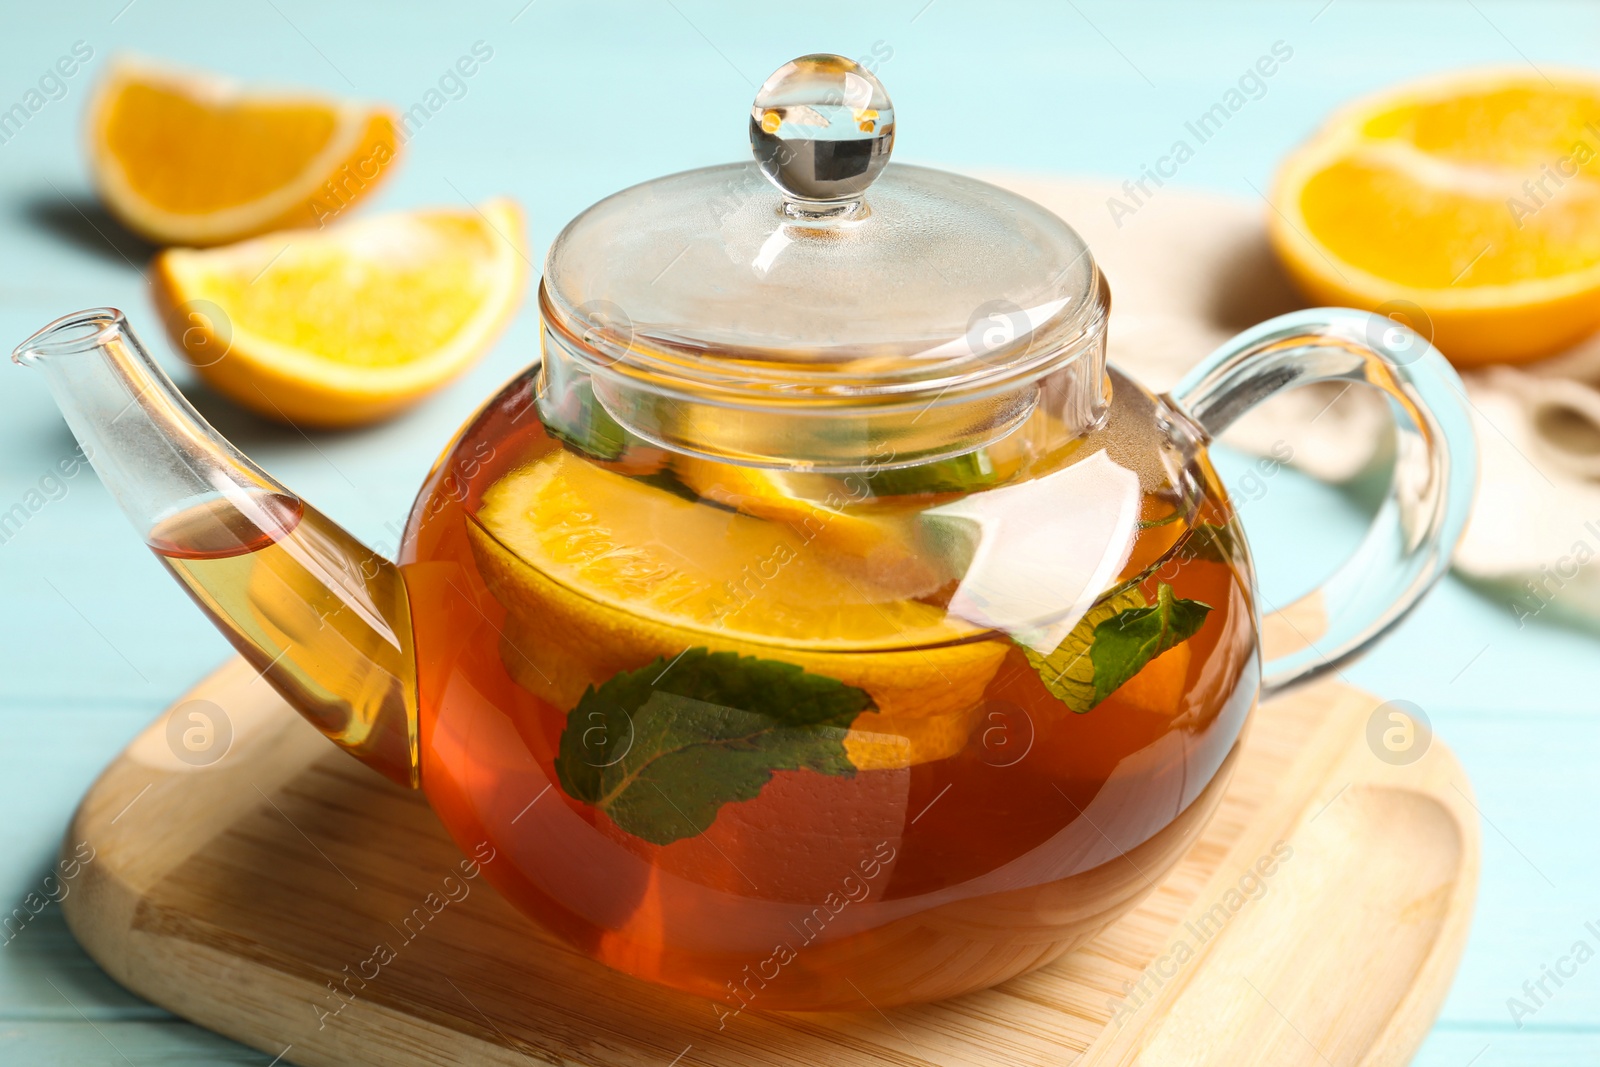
<point x="189" y="158"/>
<point x="348" y="325"/>
<point x="1474" y="197"/>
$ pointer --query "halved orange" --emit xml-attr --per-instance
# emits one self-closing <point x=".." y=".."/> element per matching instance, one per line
<point x="1474" y="197"/>
<point x="188" y="158"/>
<point x="351" y="324"/>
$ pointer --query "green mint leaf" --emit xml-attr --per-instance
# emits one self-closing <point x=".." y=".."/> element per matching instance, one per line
<point x="660" y="750"/>
<point x="1207" y="541"/>
<point x="1068" y="672"/>
<point x="958" y="474"/>
<point x="1113" y="642"/>
<point x="1124" y="643"/>
<point x="579" y="420"/>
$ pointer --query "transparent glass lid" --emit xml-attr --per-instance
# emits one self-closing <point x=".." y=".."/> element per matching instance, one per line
<point x="818" y="268"/>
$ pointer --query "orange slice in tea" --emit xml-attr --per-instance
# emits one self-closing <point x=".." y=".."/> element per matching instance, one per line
<point x="193" y="159"/>
<point x="766" y="494"/>
<point x="600" y="573"/>
<point x="353" y="324"/>
<point x="878" y="549"/>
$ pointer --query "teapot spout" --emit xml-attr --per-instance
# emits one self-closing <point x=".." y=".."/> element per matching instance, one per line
<point x="323" y="618"/>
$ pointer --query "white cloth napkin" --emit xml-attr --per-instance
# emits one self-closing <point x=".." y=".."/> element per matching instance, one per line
<point x="1189" y="269"/>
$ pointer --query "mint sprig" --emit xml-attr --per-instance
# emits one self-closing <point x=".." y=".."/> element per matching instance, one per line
<point x="1113" y="642"/>
<point x="1124" y="643"/>
<point x="660" y="750"/>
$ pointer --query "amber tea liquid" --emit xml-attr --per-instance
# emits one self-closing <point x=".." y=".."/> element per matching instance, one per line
<point x="270" y="558"/>
<point x="1031" y="831"/>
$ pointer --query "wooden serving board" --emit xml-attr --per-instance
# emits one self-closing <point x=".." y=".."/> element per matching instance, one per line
<point x="234" y="893"/>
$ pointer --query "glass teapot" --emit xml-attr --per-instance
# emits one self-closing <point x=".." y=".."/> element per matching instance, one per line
<point x="821" y="623"/>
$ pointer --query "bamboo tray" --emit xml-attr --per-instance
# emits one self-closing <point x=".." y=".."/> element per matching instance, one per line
<point x="234" y="894"/>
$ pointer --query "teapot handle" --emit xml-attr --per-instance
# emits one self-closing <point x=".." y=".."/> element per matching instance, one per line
<point x="1409" y="544"/>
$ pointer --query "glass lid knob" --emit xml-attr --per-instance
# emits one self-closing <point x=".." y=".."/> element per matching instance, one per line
<point x="822" y="128"/>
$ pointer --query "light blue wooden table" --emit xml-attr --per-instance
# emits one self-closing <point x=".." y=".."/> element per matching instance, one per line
<point x="580" y="99"/>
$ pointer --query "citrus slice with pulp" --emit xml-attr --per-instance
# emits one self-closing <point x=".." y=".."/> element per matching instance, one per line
<point x="188" y="158"/>
<point x="1467" y="206"/>
<point x="600" y="574"/>
<point x="347" y="325"/>
<point x="880" y="549"/>
<point x="766" y="494"/>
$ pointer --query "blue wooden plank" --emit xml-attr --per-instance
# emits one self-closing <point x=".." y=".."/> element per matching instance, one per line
<point x="142" y="1043"/>
<point x="52" y="755"/>
<point x="1535" y="899"/>
<point x="1448" y="1046"/>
